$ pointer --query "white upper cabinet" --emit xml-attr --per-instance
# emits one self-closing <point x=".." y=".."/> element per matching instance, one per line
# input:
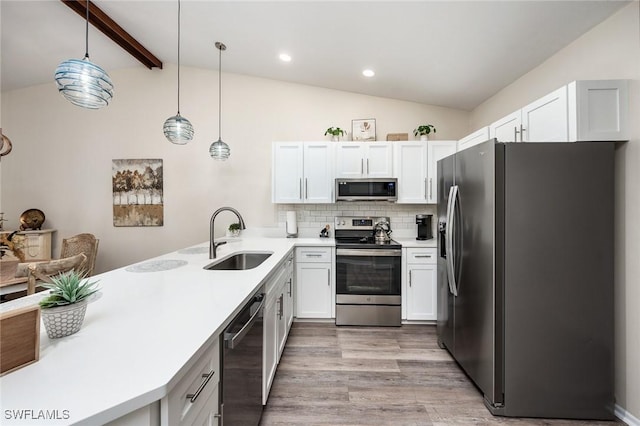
<point x="598" y="110"/>
<point x="479" y="136"/>
<point x="437" y="150"/>
<point x="369" y="159"/>
<point x="545" y="120"/>
<point x="302" y="172"/>
<point x="411" y="166"/>
<point x="416" y="165"/>
<point x="587" y="110"/>
<point x="507" y="128"/>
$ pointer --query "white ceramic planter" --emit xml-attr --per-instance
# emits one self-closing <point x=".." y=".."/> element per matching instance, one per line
<point x="64" y="320"/>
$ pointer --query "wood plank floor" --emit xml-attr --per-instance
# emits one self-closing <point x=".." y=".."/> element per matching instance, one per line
<point x="397" y="376"/>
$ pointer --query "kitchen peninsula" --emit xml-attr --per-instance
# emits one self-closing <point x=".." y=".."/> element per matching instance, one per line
<point x="147" y="329"/>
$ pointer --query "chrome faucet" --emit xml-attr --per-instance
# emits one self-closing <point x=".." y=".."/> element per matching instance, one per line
<point x="213" y="245"/>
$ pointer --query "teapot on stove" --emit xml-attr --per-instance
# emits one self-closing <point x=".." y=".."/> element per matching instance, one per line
<point x="382" y="231"/>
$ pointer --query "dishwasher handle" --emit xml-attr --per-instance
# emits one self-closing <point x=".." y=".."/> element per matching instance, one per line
<point x="232" y="340"/>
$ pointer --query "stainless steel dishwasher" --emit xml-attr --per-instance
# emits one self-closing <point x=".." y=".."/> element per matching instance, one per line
<point x="241" y="352"/>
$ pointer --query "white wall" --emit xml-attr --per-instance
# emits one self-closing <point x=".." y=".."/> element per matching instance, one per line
<point x="61" y="162"/>
<point x="609" y="51"/>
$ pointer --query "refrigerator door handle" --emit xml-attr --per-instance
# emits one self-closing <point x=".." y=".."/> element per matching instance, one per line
<point x="451" y="252"/>
<point x="455" y="208"/>
<point x="449" y="240"/>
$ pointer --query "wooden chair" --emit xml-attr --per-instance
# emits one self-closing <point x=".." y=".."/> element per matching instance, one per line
<point x="81" y="243"/>
<point x="42" y="271"/>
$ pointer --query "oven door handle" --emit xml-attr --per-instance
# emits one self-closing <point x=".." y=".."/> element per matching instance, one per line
<point x="369" y="252"/>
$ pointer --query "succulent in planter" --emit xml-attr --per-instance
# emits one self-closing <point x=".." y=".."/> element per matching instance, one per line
<point x="424" y="130"/>
<point x="64" y="308"/>
<point x="335" y="132"/>
<point x="234" y="229"/>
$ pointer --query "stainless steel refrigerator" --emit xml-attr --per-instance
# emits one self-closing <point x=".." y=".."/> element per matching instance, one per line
<point x="525" y="275"/>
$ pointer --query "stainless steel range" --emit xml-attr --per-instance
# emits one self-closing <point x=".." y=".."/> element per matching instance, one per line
<point x="368" y="272"/>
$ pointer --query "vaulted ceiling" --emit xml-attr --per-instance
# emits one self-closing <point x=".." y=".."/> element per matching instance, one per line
<point x="449" y="53"/>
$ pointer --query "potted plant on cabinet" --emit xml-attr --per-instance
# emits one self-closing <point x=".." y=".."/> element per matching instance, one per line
<point x="64" y="308"/>
<point x="423" y="131"/>
<point x="335" y="133"/>
<point x="234" y="230"/>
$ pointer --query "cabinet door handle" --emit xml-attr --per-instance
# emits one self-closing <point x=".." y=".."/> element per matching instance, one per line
<point x="409" y="277"/>
<point x="290" y="287"/>
<point x="329" y="277"/>
<point x="522" y="130"/>
<point x="193" y="396"/>
<point x="425" y="188"/>
<point x="312" y="255"/>
<point x="280" y="307"/>
<point x="306" y="188"/>
<point x="515" y="134"/>
<point x="362" y="166"/>
<point x="430" y="188"/>
<point x="300" y="188"/>
<point x="423" y="255"/>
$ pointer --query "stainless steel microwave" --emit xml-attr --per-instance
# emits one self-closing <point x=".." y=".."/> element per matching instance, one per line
<point x="380" y="189"/>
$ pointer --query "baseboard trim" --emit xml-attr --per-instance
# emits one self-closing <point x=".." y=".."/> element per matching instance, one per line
<point x="626" y="416"/>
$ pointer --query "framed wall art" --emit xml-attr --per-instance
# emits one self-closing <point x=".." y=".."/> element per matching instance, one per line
<point x="137" y="193"/>
<point x="363" y="129"/>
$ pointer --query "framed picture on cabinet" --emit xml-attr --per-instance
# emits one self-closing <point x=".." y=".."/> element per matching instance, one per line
<point x="363" y="129"/>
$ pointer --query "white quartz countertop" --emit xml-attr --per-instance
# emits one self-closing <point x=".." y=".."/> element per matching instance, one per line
<point x="138" y="338"/>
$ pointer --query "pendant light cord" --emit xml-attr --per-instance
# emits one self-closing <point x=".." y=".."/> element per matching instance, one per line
<point x="220" y="94"/>
<point x="178" y="57"/>
<point x="86" y="34"/>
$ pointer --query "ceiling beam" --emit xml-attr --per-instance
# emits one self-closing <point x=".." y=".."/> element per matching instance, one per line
<point x="115" y="32"/>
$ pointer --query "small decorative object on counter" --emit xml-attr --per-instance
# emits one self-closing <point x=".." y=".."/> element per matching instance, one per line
<point x="64" y="308"/>
<point x="324" y="232"/>
<point x="234" y="230"/>
<point x="31" y="219"/>
<point x="423" y="131"/>
<point x="392" y="137"/>
<point x="335" y="133"/>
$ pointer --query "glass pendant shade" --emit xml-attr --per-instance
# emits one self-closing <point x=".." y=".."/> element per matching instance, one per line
<point x="178" y="130"/>
<point x="84" y="83"/>
<point x="219" y="150"/>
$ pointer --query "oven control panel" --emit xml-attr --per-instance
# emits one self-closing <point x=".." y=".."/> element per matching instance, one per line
<point x="357" y="222"/>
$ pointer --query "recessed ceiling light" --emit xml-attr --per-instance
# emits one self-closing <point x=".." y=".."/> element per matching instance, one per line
<point x="368" y="73"/>
<point x="284" y="57"/>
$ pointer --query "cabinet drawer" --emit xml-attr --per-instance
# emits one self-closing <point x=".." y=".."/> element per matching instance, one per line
<point x="313" y="254"/>
<point x="204" y="377"/>
<point x="422" y="255"/>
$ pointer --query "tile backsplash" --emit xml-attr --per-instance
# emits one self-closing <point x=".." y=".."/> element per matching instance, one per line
<point x="316" y="216"/>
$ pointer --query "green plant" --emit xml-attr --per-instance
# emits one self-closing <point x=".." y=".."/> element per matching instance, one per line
<point x="68" y="288"/>
<point x="425" y="129"/>
<point x="234" y="227"/>
<point x="335" y="131"/>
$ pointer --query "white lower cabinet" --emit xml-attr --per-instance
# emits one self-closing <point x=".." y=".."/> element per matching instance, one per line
<point x="314" y="283"/>
<point x="278" y="316"/>
<point x="194" y="399"/>
<point x="420" y="284"/>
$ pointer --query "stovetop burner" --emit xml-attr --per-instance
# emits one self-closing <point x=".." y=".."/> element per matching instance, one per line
<point x="358" y="232"/>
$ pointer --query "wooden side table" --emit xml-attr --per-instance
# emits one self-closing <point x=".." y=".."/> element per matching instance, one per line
<point x="36" y="245"/>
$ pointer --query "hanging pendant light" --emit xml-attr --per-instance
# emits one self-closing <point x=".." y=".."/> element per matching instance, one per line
<point x="177" y="129"/>
<point x="219" y="150"/>
<point x="82" y="82"/>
